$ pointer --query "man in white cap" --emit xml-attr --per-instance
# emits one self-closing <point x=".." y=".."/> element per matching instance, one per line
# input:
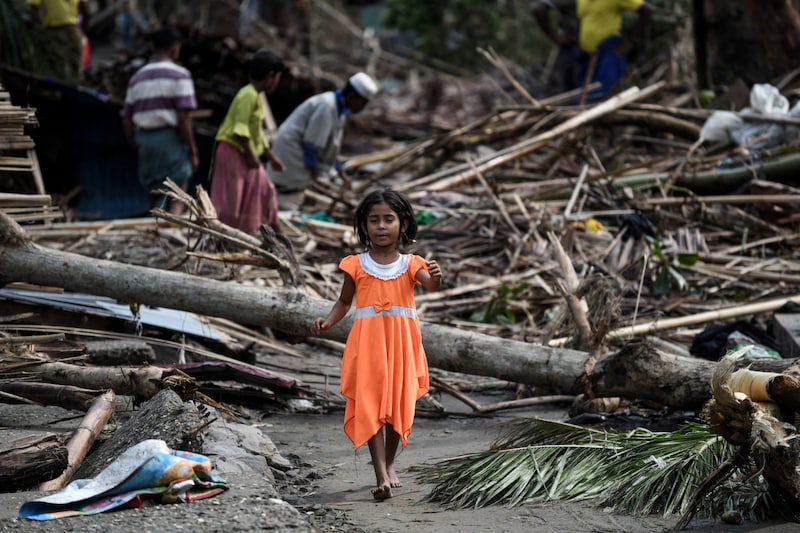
<point x="309" y="140"/>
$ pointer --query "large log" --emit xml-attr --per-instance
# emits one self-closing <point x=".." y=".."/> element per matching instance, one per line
<point x="140" y="382"/>
<point x="287" y="310"/>
<point x="165" y="417"/>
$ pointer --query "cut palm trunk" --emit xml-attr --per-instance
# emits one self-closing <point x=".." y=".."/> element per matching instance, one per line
<point x="746" y="410"/>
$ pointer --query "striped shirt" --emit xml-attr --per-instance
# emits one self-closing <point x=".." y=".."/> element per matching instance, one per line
<point x="156" y="92"/>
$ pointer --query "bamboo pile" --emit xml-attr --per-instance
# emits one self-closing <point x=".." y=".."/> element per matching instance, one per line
<point x="494" y="187"/>
<point x="18" y="160"/>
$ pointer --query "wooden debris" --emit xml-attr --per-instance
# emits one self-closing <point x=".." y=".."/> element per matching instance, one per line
<point x="26" y="462"/>
<point x="66" y="396"/>
<point x="141" y="382"/>
<point x="495" y="181"/>
<point x="17" y="152"/>
<point x="165" y="416"/>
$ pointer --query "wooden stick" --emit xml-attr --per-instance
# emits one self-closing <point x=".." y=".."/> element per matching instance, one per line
<point x="576" y="191"/>
<point x="498" y="63"/>
<point x="726" y="199"/>
<point x="588" y="79"/>
<point x="32" y="339"/>
<point x="500" y="205"/>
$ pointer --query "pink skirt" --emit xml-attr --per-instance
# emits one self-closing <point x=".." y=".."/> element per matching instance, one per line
<point x="244" y="197"/>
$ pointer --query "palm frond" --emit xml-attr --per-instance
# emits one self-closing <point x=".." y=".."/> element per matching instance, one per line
<point x="639" y="472"/>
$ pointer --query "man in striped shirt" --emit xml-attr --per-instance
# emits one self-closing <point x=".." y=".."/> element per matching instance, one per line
<point x="157" y="119"/>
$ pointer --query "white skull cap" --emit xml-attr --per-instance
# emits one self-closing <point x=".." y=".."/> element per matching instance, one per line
<point x="363" y="85"/>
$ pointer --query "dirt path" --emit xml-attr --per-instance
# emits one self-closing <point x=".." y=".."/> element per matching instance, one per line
<point x="331" y="476"/>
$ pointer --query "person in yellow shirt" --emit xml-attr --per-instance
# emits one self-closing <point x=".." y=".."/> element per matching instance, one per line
<point x="65" y="22"/>
<point x="603" y="49"/>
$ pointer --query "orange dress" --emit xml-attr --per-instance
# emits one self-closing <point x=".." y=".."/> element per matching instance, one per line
<point x="384" y="368"/>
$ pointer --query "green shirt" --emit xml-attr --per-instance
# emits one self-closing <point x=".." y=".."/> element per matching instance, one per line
<point x="245" y="118"/>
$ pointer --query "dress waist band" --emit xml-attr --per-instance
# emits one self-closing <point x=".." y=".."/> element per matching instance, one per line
<point x="394" y="310"/>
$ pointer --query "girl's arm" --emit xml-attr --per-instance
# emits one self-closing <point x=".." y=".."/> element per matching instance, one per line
<point x="339" y="309"/>
<point x="431" y="279"/>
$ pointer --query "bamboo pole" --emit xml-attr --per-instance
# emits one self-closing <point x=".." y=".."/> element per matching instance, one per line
<point x="11" y="199"/>
<point x="498" y="63"/>
<point x="725" y="199"/>
<point x="66" y="396"/>
<point x="691" y="320"/>
<point x="83" y="437"/>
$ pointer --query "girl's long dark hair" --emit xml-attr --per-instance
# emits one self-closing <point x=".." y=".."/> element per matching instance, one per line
<point x="397" y="202"/>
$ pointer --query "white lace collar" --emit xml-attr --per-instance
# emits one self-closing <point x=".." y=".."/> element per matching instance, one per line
<point x="393" y="270"/>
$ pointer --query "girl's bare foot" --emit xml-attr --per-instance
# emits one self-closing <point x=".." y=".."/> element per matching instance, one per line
<point x="394" y="481"/>
<point x="384" y="492"/>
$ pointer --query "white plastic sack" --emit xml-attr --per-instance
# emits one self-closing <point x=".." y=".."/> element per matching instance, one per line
<point x="720" y="125"/>
<point x="767" y="99"/>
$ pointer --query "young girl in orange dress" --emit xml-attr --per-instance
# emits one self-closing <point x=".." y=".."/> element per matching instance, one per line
<point x="384" y="368"/>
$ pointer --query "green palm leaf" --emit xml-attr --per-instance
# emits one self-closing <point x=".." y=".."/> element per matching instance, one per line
<point x="637" y="472"/>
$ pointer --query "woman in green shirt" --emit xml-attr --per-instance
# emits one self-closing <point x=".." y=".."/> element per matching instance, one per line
<point x="242" y="193"/>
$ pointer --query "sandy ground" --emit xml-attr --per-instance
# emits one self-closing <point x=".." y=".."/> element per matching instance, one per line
<point x="345" y="479"/>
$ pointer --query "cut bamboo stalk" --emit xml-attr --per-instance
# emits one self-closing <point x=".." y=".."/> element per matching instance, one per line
<point x="725" y="199"/>
<point x="65" y="396"/>
<point x="15" y="199"/>
<point x="500" y="205"/>
<point x="752" y="383"/>
<point x="498" y="63"/>
<point x="83" y="438"/>
<point x="463" y="173"/>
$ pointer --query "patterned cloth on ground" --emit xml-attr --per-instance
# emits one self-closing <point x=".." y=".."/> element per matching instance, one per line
<point x="148" y="470"/>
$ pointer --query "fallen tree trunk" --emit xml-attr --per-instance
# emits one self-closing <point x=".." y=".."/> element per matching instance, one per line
<point x="140" y="382"/>
<point x="66" y="396"/>
<point x="288" y="310"/>
<point x="640" y="372"/>
<point x="164" y="417"/>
